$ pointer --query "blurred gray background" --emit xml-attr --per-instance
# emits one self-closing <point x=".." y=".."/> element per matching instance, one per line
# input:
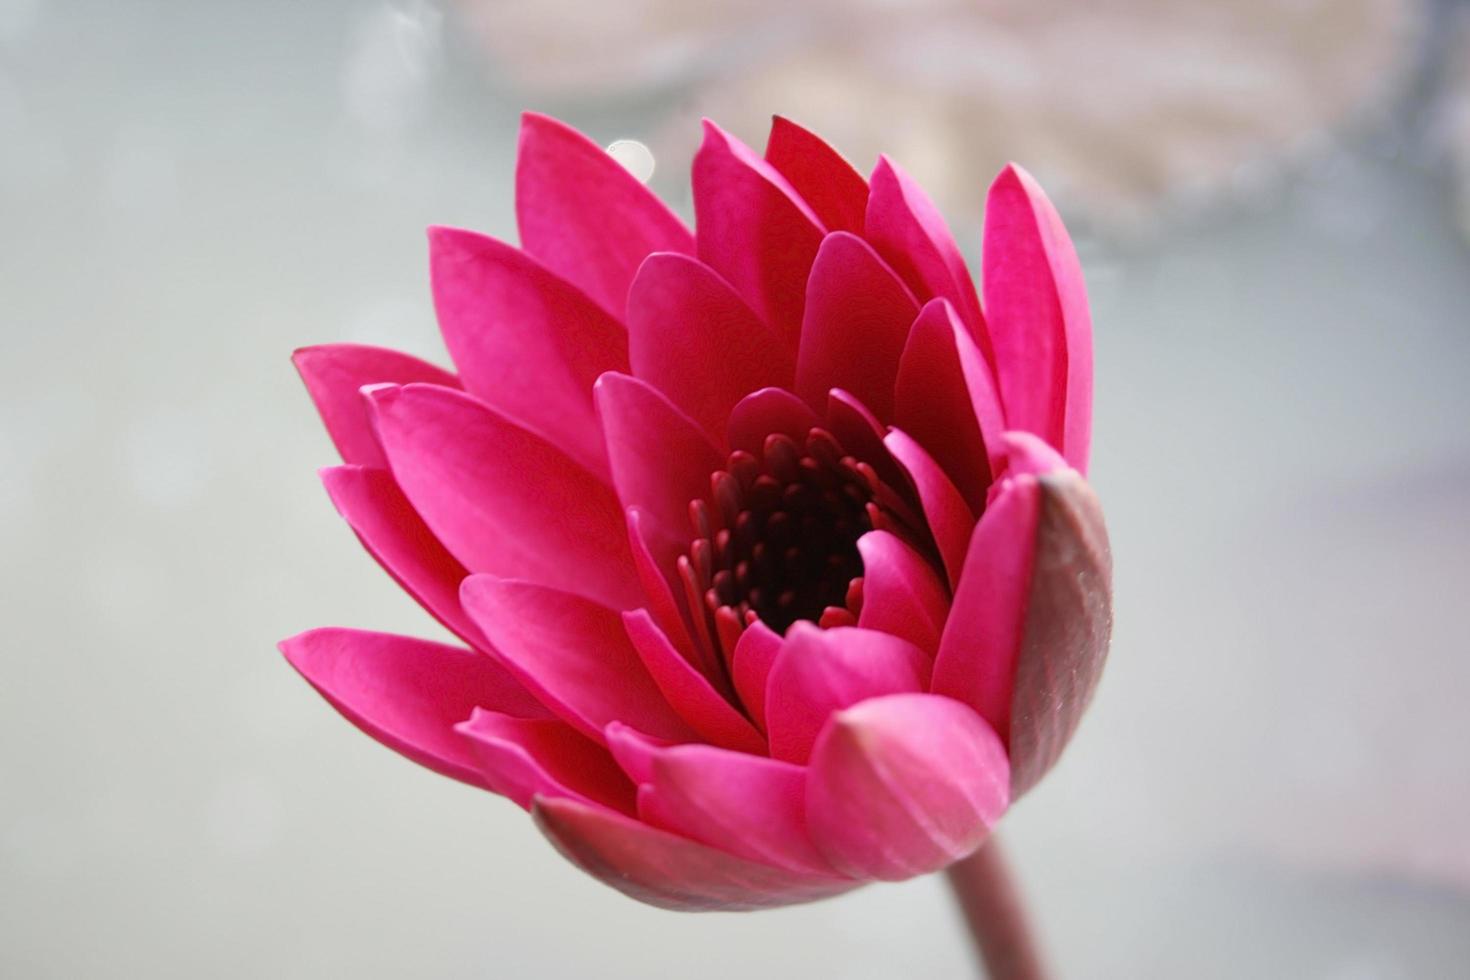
<point x="1273" y="780"/>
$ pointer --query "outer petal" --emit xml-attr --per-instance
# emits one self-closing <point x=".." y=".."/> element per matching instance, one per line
<point x="408" y="693"/>
<point x="763" y="412"/>
<point x="904" y="785"/>
<point x="572" y="653"/>
<point x="750" y="666"/>
<point x="1039" y="320"/>
<point x="527" y="343"/>
<point x="669" y="871"/>
<point x="525" y="758"/>
<point x="754" y="230"/>
<point x="907" y="230"/>
<point x="584" y="216"/>
<point x="392" y="531"/>
<point x="946" y="400"/>
<point x="835" y="192"/>
<point x="1029" y="631"/>
<point x="748" y="805"/>
<point x="901" y="593"/>
<point x="688" y="691"/>
<point x="821" y="671"/>
<point x="334" y="375"/>
<point x="856" y="322"/>
<point x="502" y="499"/>
<point x="694" y="339"/>
<point x="949" y="517"/>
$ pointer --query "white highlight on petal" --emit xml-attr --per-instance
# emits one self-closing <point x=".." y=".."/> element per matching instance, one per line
<point x="636" y="158"/>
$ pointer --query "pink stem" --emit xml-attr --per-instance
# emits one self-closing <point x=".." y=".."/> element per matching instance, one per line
<point x="996" y="915"/>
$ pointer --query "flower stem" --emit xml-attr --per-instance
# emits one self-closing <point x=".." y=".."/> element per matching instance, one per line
<point x="996" y="915"/>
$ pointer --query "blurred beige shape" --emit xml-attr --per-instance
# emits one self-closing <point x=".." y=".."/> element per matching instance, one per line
<point x="1453" y="129"/>
<point x="1119" y="107"/>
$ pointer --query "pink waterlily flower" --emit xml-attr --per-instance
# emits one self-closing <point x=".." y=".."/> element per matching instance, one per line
<point x="768" y="545"/>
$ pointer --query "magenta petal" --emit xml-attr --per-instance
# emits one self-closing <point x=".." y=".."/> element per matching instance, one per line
<point x="1027" y="453"/>
<point x="748" y="805"/>
<point x="527" y="343"/>
<point x="658" y="590"/>
<point x="754" y="229"/>
<point x="632" y="750"/>
<point x="770" y="410"/>
<point x="390" y="529"/>
<point x="946" y="400"/>
<point x="525" y="758"/>
<point x="907" y="230"/>
<point x="750" y="667"/>
<point x="694" y="339"/>
<point x="334" y="374"/>
<point x="408" y="693"/>
<point x="573" y="654"/>
<point x="1039" y="321"/>
<point x="821" y="671"/>
<point x="688" y="691"/>
<point x="857" y="319"/>
<point x="861" y="436"/>
<point x="584" y="216"/>
<point x="830" y="186"/>
<point x="902" y="594"/>
<point x="949" y="517"/>
<point x="670" y="871"/>
<point x="904" y="785"/>
<point x="502" y="499"/>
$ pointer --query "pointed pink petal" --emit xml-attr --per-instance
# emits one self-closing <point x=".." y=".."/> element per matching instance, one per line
<point x="632" y="750"/>
<point x="662" y="604"/>
<point x="856" y="321"/>
<point x="502" y="499"/>
<point x="821" y="671"/>
<point x="904" y="785"/>
<point x="672" y="872"/>
<point x="408" y="693"/>
<point x="754" y="230"/>
<point x="694" y="339"/>
<point x="573" y="654"/>
<point x="946" y="401"/>
<point x="688" y="691"/>
<point x="1029" y="632"/>
<point x="768" y="411"/>
<point x="1039" y="320"/>
<point x="1027" y="453"/>
<point x="527" y="343"/>
<point x="861" y="436"/>
<point x="392" y="531"/>
<point x="334" y="375"/>
<point x="749" y="805"/>
<point x="661" y="460"/>
<point x="584" y="216"/>
<point x="949" y="517"/>
<point x="830" y="186"/>
<point x="907" y="230"/>
<point x="524" y="758"/>
<point x="750" y="666"/>
<point x="902" y="594"/>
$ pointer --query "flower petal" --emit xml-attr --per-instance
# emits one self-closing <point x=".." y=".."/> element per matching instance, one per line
<point x="1039" y="320"/>
<point x="334" y="375"/>
<point x="665" y="609"/>
<point x="408" y="693"/>
<point x="572" y="653"/>
<point x="584" y="216"/>
<point x="633" y="750"/>
<point x="1028" y="633"/>
<point x="688" y="691"/>
<point x="502" y="499"/>
<point x="904" y="785"/>
<point x="946" y="400"/>
<point x="853" y="331"/>
<point x="821" y="671"/>
<point x="371" y="503"/>
<point x="949" y="517"/>
<point x="907" y="230"/>
<point x="768" y="411"/>
<point x="672" y="872"/>
<point x="749" y="805"/>
<point x="754" y="229"/>
<point x="861" y="436"/>
<point x="751" y="661"/>
<point x="525" y="758"/>
<point x="902" y="594"/>
<point x="830" y="186"/>
<point x="694" y="339"/>
<point x="527" y="343"/>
